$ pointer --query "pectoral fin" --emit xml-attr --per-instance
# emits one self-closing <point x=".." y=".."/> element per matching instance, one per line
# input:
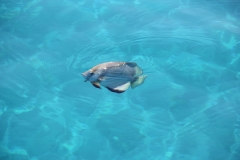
<point x="96" y="84"/>
<point x="138" y="81"/>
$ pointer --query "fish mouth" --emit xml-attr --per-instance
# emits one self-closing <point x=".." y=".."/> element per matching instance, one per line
<point x="84" y="74"/>
<point x="87" y="73"/>
<point x="85" y="77"/>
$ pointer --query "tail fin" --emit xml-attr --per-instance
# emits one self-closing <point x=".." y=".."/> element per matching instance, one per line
<point x="138" y="81"/>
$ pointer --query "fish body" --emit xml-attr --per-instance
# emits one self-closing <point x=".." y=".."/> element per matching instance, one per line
<point x="115" y="76"/>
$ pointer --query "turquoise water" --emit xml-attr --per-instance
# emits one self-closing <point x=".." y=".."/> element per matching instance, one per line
<point x="187" y="109"/>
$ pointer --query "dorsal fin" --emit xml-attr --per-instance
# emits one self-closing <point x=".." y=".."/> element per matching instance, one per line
<point x="131" y="64"/>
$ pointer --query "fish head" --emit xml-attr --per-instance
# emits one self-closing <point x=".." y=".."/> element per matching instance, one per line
<point x="87" y="74"/>
<point x="90" y="75"/>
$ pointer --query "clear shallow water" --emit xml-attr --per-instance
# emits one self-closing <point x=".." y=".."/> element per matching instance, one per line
<point x="188" y="108"/>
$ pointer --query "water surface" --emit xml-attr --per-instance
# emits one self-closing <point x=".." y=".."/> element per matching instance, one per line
<point x="187" y="109"/>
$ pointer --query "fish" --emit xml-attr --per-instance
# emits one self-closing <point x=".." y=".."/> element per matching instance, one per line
<point x="115" y="76"/>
